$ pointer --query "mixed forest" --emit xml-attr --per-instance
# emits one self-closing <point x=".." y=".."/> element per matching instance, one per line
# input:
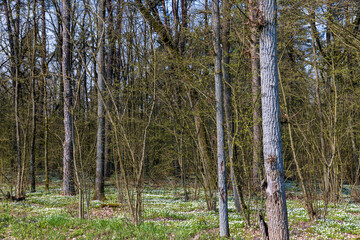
<point x="179" y="119"/>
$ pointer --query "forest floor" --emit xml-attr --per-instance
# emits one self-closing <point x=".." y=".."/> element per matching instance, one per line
<point x="50" y="215"/>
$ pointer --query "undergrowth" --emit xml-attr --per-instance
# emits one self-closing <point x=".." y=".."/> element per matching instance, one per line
<point x="49" y="215"/>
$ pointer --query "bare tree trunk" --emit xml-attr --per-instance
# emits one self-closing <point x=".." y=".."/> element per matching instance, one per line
<point x="44" y="71"/>
<point x="227" y="97"/>
<point x="108" y="163"/>
<point x="32" y="153"/>
<point x="13" y="35"/>
<point x="255" y="83"/>
<point x="32" y="66"/>
<point x="179" y="142"/>
<point x="184" y="25"/>
<point x="223" y="207"/>
<point x="355" y="176"/>
<point x="238" y="196"/>
<point x="19" y="191"/>
<point x="182" y="168"/>
<point x="12" y="67"/>
<point x="323" y="159"/>
<point x="354" y="149"/>
<point x="68" y="161"/>
<point x="274" y="170"/>
<point x="99" y="180"/>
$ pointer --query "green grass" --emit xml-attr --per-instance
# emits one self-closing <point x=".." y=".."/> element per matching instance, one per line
<point x="49" y="215"/>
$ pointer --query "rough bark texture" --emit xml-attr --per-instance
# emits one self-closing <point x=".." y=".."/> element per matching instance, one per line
<point x="68" y="175"/>
<point x="223" y="208"/>
<point x="275" y="187"/>
<point x="263" y="227"/>
<point x="99" y="180"/>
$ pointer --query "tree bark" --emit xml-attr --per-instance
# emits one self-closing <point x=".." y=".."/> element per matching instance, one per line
<point x="32" y="153"/>
<point x="223" y="208"/>
<point x="13" y="35"/>
<point x="274" y="172"/>
<point x="13" y="66"/>
<point x="255" y="87"/>
<point x="227" y="98"/>
<point x="108" y="163"/>
<point x="19" y="190"/>
<point x="32" y="66"/>
<point x="43" y="72"/>
<point x="99" y="180"/>
<point x="68" y="161"/>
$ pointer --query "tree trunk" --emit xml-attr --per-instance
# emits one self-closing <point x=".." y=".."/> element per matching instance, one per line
<point x="227" y="97"/>
<point x="68" y="174"/>
<point x="108" y="163"/>
<point x="43" y="72"/>
<point x="32" y="153"/>
<point x="19" y="191"/>
<point x="274" y="170"/>
<point x="323" y="159"/>
<point x="13" y="35"/>
<point x="255" y="86"/>
<point x="32" y="66"/>
<point x="223" y="207"/>
<point x="354" y="149"/>
<point x="99" y="180"/>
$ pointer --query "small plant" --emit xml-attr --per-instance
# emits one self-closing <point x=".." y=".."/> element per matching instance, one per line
<point x="164" y="217"/>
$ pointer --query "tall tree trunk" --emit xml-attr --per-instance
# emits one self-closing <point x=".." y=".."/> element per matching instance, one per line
<point x="227" y="97"/>
<point x="32" y="152"/>
<point x="16" y="74"/>
<point x="32" y="66"/>
<point x="274" y="170"/>
<point x="19" y="191"/>
<point x="108" y="164"/>
<point x="13" y="35"/>
<point x="43" y="72"/>
<point x="68" y="161"/>
<point x="184" y="25"/>
<point x="255" y="86"/>
<point x="223" y="208"/>
<point x="238" y="196"/>
<point x="323" y="159"/>
<point x="99" y="180"/>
